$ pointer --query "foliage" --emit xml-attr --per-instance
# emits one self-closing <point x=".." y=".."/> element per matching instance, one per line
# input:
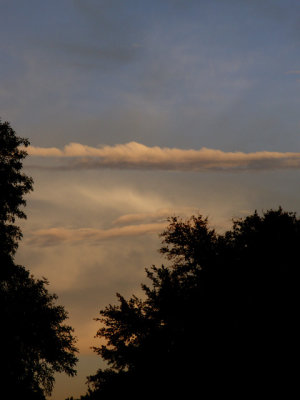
<point x="13" y="186"/>
<point x="221" y="319"/>
<point x="35" y="341"/>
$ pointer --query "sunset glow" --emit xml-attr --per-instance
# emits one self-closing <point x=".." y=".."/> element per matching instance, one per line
<point x="137" y="111"/>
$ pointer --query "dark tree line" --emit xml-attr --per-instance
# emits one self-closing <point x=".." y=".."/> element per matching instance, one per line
<point x="35" y="342"/>
<point x="220" y="321"/>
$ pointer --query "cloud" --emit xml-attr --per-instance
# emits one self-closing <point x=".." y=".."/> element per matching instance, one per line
<point x="135" y="155"/>
<point x="103" y="39"/>
<point x="159" y="215"/>
<point x="55" y="236"/>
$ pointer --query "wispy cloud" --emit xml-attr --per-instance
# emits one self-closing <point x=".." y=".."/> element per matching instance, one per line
<point x="138" y="156"/>
<point x="159" y="215"/>
<point x="56" y="236"/>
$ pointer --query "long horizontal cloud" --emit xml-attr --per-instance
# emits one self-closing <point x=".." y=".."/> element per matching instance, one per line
<point x="138" y="156"/>
<point x="55" y="236"/>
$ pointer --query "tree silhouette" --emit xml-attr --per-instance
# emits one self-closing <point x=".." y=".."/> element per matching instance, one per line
<point x="35" y="341"/>
<point x="219" y="320"/>
<point x="13" y="186"/>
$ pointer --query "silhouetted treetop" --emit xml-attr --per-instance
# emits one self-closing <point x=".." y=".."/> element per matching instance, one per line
<point x="189" y="242"/>
<point x="219" y="320"/>
<point x="13" y="186"/>
<point x="35" y="341"/>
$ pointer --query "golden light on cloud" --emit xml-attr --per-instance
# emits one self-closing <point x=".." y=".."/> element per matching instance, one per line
<point x="55" y="236"/>
<point x="161" y="214"/>
<point x="138" y="156"/>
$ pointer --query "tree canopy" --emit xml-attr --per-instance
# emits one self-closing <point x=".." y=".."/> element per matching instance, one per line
<point x="35" y="341"/>
<point x="13" y="186"/>
<point x="219" y="320"/>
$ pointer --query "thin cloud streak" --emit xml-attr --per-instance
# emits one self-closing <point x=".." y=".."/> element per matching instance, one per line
<point x="56" y="236"/>
<point x="135" y="155"/>
<point x="159" y="215"/>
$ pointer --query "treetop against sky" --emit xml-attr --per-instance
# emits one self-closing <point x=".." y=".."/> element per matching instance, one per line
<point x="187" y="107"/>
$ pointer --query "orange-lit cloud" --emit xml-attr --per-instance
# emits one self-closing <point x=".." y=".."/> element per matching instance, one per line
<point x="159" y="215"/>
<point x="138" y="156"/>
<point x="55" y="236"/>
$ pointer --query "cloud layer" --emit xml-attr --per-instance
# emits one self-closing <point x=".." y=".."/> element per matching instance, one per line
<point x="138" y="156"/>
<point x="55" y="236"/>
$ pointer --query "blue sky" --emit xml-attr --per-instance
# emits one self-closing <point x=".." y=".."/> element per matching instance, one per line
<point x="115" y="71"/>
<point x="218" y="74"/>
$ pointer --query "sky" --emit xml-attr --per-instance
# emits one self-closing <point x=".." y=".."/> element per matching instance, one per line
<point x="136" y="111"/>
